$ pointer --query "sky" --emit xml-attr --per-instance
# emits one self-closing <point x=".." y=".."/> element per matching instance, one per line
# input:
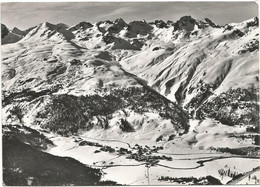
<point x="28" y="14"/>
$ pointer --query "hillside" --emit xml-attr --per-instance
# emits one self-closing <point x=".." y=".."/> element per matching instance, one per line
<point x="32" y="167"/>
<point x="198" y="54"/>
<point x="56" y="76"/>
<point x="181" y="96"/>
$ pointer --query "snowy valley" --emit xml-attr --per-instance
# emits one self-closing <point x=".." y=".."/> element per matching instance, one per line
<point x="138" y="103"/>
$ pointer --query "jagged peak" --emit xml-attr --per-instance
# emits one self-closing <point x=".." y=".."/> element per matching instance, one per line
<point x="105" y="22"/>
<point x="4" y="30"/>
<point x="120" y="21"/>
<point x="85" y="23"/>
<point x="81" y="25"/>
<point x="46" y="24"/>
<point x="141" y="23"/>
<point x="46" y="30"/>
<point x="256" y="18"/>
<point x="170" y="23"/>
<point x="51" y="26"/>
<point x="117" y="26"/>
<point x="186" y="23"/>
<point x="159" y="23"/>
<point x="15" y="30"/>
<point x="209" y="21"/>
<point x="3" y="26"/>
<point x="206" y="22"/>
<point x="187" y="18"/>
<point x="253" y="22"/>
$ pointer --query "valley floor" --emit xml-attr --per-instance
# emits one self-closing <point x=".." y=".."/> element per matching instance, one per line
<point x="143" y="162"/>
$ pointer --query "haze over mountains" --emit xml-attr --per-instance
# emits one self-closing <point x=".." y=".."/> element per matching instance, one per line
<point x="188" y="84"/>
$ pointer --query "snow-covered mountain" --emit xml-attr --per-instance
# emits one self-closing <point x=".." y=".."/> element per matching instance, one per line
<point x="49" y="66"/>
<point x="198" y="53"/>
<point x="188" y="84"/>
<point x="189" y="61"/>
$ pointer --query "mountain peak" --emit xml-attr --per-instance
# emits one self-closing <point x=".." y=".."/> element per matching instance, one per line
<point x="104" y="22"/>
<point x="253" y="22"/>
<point x="116" y="26"/>
<point x="206" y="22"/>
<point x="4" y="30"/>
<point x="186" y="23"/>
<point x="82" y="25"/>
<point x="15" y="30"/>
<point x="159" y="23"/>
<point x="47" y="30"/>
<point x="120" y="21"/>
<point x="187" y="19"/>
<point x="46" y="24"/>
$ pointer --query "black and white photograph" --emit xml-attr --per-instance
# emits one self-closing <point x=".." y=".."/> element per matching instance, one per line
<point x="150" y="93"/>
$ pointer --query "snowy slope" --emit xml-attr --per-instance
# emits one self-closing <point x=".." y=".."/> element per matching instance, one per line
<point x="180" y="60"/>
<point x="141" y="101"/>
<point x="48" y="66"/>
<point x="223" y="57"/>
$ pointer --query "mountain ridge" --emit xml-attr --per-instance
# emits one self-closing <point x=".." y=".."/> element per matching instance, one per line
<point x="113" y="96"/>
<point x="118" y="21"/>
<point x="173" y="58"/>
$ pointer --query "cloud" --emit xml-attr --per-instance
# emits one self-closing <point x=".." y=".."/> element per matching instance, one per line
<point x="117" y="13"/>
